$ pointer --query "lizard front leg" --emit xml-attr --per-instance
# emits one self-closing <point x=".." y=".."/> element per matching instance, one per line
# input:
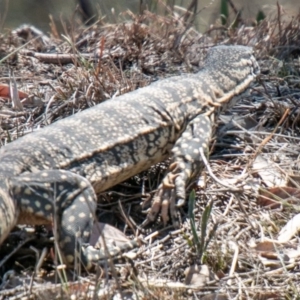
<point x="185" y="165"/>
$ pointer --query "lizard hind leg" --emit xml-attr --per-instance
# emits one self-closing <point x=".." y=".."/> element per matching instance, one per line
<point x="60" y="196"/>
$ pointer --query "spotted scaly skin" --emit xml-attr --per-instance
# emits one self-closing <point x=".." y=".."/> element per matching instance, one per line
<point x="54" y="174"/>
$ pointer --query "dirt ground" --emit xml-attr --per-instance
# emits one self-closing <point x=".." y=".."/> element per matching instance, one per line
<point x="238" y="238"/>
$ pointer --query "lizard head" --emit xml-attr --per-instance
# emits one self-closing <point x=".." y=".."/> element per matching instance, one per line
<point x="230" y="70"/>
<point x="236" y="63"/>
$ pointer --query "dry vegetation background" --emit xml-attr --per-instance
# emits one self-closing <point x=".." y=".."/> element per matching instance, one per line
<point x="251" y="233"/>
<point x="13" y="13"/>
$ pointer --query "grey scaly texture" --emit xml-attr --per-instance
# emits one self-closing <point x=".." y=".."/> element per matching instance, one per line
<point x="56" y="172"/>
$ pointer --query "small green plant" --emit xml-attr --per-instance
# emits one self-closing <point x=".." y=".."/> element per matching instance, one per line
<point x="224" y="12"/>
<point x="201" y="243"/>
<point x="260" y="16"/>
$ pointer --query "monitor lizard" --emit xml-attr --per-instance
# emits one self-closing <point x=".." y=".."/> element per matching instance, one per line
<point x="54" y="174"/>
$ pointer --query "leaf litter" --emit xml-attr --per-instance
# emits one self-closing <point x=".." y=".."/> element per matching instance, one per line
<point x="253" y="253"/>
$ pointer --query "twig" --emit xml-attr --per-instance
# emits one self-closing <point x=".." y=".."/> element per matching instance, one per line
<point x="268" y="138"/>
<point x="213" y="175"/>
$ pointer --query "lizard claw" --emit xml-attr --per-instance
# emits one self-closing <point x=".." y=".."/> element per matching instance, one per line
<point x="153" y="211"/>
<point x="164" y="200"/>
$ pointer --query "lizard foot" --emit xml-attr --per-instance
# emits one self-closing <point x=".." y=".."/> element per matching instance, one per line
<point x="169" y="195"/>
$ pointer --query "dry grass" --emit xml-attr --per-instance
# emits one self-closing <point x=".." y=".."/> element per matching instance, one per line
<point x="111" y="60"/>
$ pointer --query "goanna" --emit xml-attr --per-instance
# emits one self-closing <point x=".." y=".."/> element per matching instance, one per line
<point x="54" y="174"/>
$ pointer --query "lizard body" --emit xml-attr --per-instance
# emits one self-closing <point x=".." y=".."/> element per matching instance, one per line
<point x="56" y="172"/>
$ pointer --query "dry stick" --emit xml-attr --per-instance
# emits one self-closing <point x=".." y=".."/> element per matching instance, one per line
<point x="60" y="58"/>
<point x="187" y="25"/>
<point x="213" y="176"/>
<point x="235" y="10"/>
<point x="128" y="222"/>
<point x="193" y="6"/>
<point x="268" y="138"/>
<point x="235" y="248"/>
